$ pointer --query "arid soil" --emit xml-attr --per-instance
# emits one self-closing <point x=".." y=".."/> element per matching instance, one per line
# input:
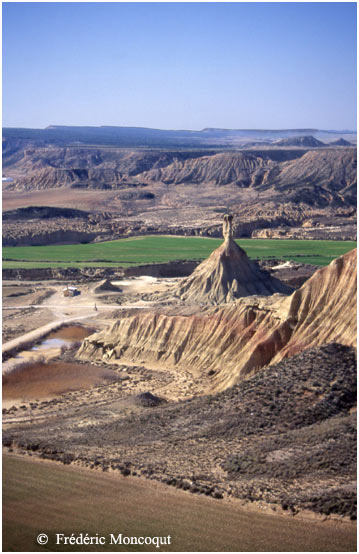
<point x="52" y="498"/>
<point x="16" y="320"/>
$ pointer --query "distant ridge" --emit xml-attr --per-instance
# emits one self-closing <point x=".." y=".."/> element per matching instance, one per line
<point x="137" y="137"/>
<point x="301" y="131"/>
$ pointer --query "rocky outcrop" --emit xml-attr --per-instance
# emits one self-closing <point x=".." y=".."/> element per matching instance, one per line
<point x="43" y="212"/>
<point x="320" y="178"/>
<point x="317" y="178"/>
<point x="36" y="168"/>
<point x="236" y="341"/>
<point x="325" y="307"/>
<point x="226" y="275"/>
<point x="166" y="190"/>
<point x="50" y="177"/>
<point x="51" y="234"/>
<point x="242" y="168"/>
<point x="335" y="232"/>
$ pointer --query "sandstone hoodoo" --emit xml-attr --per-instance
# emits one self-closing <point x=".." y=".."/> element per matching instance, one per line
<point x="228" y="274"/>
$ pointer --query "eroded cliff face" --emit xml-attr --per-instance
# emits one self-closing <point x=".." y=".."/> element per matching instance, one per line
<point x="325" y="307"/>
<point x="242" y="168"/>
<point x="235" y="341"/>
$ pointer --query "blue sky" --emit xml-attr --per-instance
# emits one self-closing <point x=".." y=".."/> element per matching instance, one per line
<point x="180" y="65"/>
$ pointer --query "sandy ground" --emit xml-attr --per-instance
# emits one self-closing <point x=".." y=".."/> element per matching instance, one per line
<point x="27" y="308"/>
<point x="63" y="198"/>
<point x="92" y="311"/>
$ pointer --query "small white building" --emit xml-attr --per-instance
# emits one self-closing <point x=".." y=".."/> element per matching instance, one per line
<point x="70" y="291"/>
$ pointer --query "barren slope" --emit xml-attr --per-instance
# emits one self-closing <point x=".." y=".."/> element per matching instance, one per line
<point x="286" y="435"/>
<point x="240" y="168"/>
<point x="329" y="173"/>
<point x="37" y="168"/>
<point x="320" y="177"/>
<point x="236" y="341"/>
<point x="271" y="189"/>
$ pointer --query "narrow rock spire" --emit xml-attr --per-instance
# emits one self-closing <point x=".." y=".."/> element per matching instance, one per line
<point x="228" y="226"/>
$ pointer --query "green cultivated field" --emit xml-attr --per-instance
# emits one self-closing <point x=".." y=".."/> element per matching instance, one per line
<point x="157" y="249"/>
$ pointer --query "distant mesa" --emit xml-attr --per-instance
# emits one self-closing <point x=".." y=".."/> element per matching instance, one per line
<point x="228" y="274"/>
<point x="306" y="141"/>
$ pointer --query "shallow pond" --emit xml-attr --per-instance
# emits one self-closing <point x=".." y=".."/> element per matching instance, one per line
<point x="65" y="336"/>
<point x="37" y="380"/>
<point x="51" y="343"/>
<point x="50" y="346"/>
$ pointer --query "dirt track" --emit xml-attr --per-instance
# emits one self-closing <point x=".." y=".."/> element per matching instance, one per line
<point x="59" y="309"/>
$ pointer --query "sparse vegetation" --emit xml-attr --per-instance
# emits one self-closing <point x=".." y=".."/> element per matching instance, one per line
<point x="295" y="449"/>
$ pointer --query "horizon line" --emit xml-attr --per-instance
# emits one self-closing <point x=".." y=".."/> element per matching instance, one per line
<point x="54" y="126"/>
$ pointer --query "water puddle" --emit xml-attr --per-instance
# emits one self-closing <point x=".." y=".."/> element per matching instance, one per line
<point x="52" y="343"/>
<point x="64" y="337"/>
<point x="51" y="346"/>
<point x="35" y="380"/>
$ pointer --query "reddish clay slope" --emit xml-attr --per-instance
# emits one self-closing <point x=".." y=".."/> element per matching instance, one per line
<point x="237" y="340"/>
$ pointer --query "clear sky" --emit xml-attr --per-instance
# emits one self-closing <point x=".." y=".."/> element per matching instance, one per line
<point x="180" y="65"/>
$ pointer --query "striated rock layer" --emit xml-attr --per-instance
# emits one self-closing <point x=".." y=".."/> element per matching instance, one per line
<point x="235" y="341"/>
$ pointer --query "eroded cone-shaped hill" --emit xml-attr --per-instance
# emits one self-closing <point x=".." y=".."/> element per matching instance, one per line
<point x="226" y="275"/>
<point x="106" y="286"/>
<point x="235" y="341"/>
